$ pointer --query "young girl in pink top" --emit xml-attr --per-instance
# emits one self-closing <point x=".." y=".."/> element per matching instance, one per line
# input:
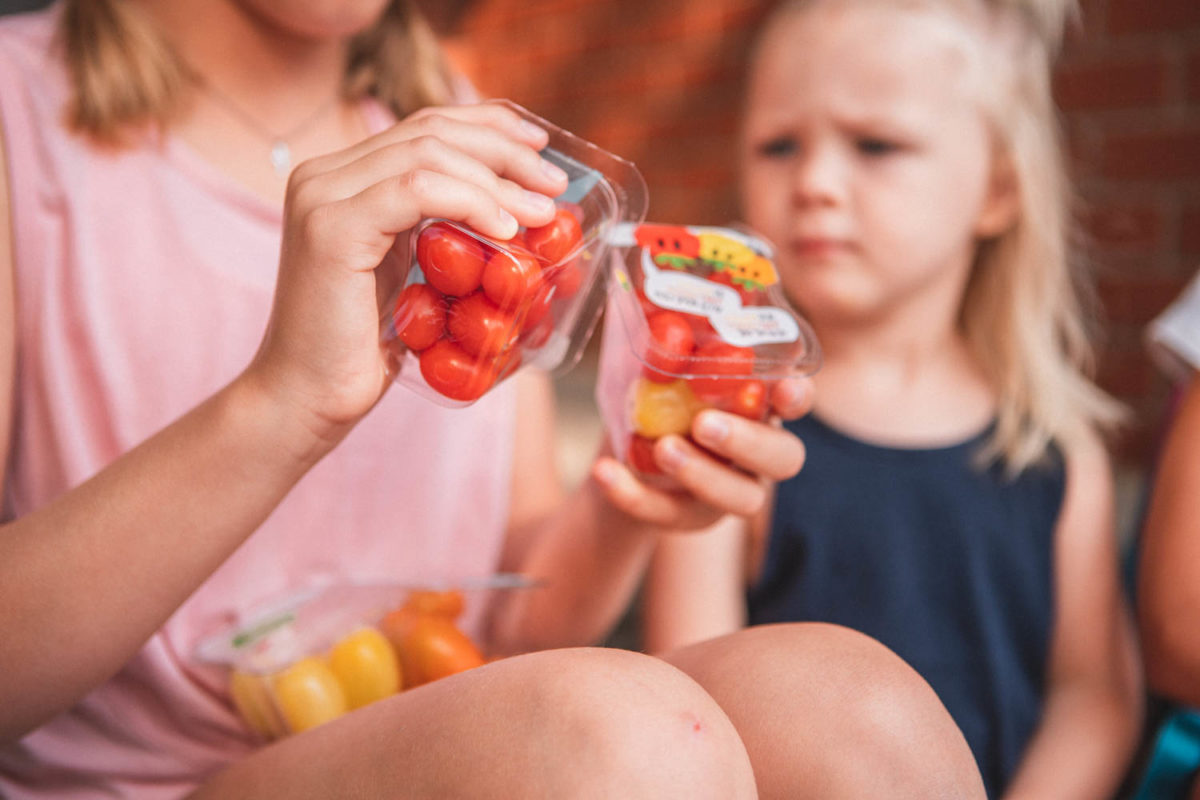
<point x="169" y="463"/>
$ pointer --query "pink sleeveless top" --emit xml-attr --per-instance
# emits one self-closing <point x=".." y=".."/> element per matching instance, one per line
<point x="144" y="280"/>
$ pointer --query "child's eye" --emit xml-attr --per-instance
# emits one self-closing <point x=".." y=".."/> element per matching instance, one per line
<point x="876" y="147"/>
<point x="778" y="147"/>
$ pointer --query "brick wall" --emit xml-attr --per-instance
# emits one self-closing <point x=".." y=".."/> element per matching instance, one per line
<point x="659" y="82"/>
<point x="1129" y="87"/>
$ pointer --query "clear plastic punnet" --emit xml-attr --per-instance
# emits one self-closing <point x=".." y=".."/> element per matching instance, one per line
<point x="696" y="319"/>
<point x="305" y="659"/>
<point x="467" y="311"/>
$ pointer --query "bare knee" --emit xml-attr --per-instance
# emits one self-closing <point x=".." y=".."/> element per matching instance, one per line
<point x="628" y="725"/>
<point x="825" y="711"/>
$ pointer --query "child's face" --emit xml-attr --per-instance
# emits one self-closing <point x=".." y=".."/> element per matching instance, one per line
<point x="867" y="160"/>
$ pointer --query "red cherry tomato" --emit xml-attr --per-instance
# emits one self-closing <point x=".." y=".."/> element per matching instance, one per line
<point x="718" y="359"/>
<point x="539" y="306"/>
<point x="749" y="400"/>
<point x="670" y="346"/>
<point x="451" y="260"/>
<point x="702" y="329"/>
<point x="555" y="240"/>
<point x="511" y="279"/>
<point x="420" y="316"/>
<point x="641" y="455"/>
<point x="454" y="372"/>
<point x="567" y="279"/>
<point x="480" y="327"/>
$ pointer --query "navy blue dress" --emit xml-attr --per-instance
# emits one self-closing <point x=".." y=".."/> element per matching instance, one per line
<point x="949" y="565"/>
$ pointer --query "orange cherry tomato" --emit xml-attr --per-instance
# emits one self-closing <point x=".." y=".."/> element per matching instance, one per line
<point x="432" y="647"/>
<point x="448" y="604"/>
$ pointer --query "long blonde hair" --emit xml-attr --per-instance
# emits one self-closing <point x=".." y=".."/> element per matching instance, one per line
<point x="125" y="75"/>
<point x="1027" y="309"/>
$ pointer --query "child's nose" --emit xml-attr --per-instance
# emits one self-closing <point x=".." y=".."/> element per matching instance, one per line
<point x="818" y="178"/>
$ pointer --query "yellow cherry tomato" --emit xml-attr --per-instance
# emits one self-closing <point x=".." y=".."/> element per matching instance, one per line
<point x="308" y="694"/>
<point x="366" y="666"/>
<point x="661" y="409"/>
<point x="252" y="698"/>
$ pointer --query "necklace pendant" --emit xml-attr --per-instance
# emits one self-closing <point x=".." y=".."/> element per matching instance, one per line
<point x="281" y="158"/>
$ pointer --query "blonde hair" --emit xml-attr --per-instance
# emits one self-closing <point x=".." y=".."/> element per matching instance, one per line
<point x="125" y="75"/>
<point x="1026" y="311"/>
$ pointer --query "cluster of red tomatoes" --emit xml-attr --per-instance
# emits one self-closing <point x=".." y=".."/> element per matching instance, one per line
<point x="481" y="304"/>
<point x="688" y="368"/>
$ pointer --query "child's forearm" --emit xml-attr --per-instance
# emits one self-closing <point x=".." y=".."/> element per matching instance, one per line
<point x="86" y="580"/>
<point x="1083" y="744"/>
<point x="591" y="557"/>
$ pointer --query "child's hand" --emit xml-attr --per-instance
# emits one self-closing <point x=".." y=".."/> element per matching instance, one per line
<point x="475" y="164"/>
<point x="758" y="453"/>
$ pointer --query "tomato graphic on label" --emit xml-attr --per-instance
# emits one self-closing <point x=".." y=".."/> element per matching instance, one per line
<point x="756" y="274"/>
<point x="723" y="251"/>
<point x="671" y="246"/>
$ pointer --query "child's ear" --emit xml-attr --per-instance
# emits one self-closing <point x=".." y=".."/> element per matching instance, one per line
<point x="1002" y="205"/>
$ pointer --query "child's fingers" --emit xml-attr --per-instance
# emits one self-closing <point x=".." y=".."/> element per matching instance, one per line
<point x="637" y="499"/>
<point x="792" y="398"/>
<point x="433" y="154"/>
<point x="492" y="133"/>
<point x="756" y="447"/>
<point x="375" y="215"/>
<point x="710" y="482"/>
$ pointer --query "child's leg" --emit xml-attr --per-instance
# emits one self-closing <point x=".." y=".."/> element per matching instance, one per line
<point x="557" y="724"/>
<point x="827" y="712"/>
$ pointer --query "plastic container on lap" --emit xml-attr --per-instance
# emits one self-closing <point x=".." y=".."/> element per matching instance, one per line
<point x="314" y="656"/>
<point x="468" y="311"/>
<point x="696" y="319"/>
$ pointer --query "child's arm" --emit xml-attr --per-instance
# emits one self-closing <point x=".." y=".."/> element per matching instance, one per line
<point x="1092" y="711"/>
<point x="593" y="549"/>
<point x="695" y="587"/>
<point x="86" y="580"/>
<point x="1169" y="573"/>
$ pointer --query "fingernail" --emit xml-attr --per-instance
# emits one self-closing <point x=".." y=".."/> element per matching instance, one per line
<point x="533" y="131"/>
<point x="605" y="472"/>
<point x="712" y="429"/>
<point x="554" y="172"/>
<point x="539" y="202"/>
<point x="509" y="222"/>
<point x="671" y="455"/>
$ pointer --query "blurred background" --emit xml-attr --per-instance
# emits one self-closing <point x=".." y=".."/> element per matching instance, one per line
<point x="659" y="82"/>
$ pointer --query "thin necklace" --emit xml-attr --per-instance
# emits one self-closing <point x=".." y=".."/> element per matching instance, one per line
<point x="281" y="151"/>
